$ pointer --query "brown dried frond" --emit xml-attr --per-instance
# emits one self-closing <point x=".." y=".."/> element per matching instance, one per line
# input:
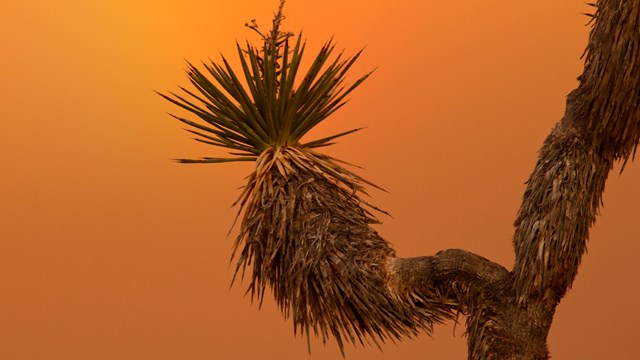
<point x="610" y="81"/>
<point x="601" y="125"/>
<point x="560" y="204"/>
<point x="307" y="235"/>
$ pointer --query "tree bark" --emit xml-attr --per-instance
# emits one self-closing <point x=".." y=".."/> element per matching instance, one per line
<point x="509" y="313"/>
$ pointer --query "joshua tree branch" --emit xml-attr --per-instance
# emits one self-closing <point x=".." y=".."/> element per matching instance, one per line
<point x="510" y="313"/>
<point x="469" y="272"/>
<point x="472" y="285"/>
<point x="601" y="125"/>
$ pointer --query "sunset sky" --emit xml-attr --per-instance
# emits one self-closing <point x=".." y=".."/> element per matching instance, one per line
<point x="110" y="250"/>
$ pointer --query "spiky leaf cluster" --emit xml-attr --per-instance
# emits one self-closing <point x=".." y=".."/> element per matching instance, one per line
<point x="265" y="104"/>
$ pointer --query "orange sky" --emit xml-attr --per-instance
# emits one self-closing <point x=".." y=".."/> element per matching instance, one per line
<point x="111" y="251"/>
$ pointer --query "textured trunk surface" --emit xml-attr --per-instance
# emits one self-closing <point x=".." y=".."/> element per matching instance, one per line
<point x="510" y="312"/>
<point x="306" y="233"/>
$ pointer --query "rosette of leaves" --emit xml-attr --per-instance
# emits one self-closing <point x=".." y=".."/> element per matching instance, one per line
<point x="305" y="231"/>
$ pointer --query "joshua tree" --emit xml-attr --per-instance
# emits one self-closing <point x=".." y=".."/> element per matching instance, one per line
<point x="306" y="232"/>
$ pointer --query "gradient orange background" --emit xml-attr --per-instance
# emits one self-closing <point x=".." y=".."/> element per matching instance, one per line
<point x="111" y="251"/>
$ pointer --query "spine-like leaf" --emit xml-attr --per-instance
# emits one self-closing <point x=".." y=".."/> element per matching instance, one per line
<point x="264" y="105"/>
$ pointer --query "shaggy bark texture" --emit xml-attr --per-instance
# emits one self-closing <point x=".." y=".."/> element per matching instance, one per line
<point x="306" y="235"/>
<point x="306" y="232"/>
<point x="510" y="313"/>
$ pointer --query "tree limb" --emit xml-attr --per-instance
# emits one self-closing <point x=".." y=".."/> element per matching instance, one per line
<point x="510" y="313"/>
<point x="600" y="126"/>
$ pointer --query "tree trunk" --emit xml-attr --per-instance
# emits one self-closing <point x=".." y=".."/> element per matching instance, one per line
<point x="510" y="313"/>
